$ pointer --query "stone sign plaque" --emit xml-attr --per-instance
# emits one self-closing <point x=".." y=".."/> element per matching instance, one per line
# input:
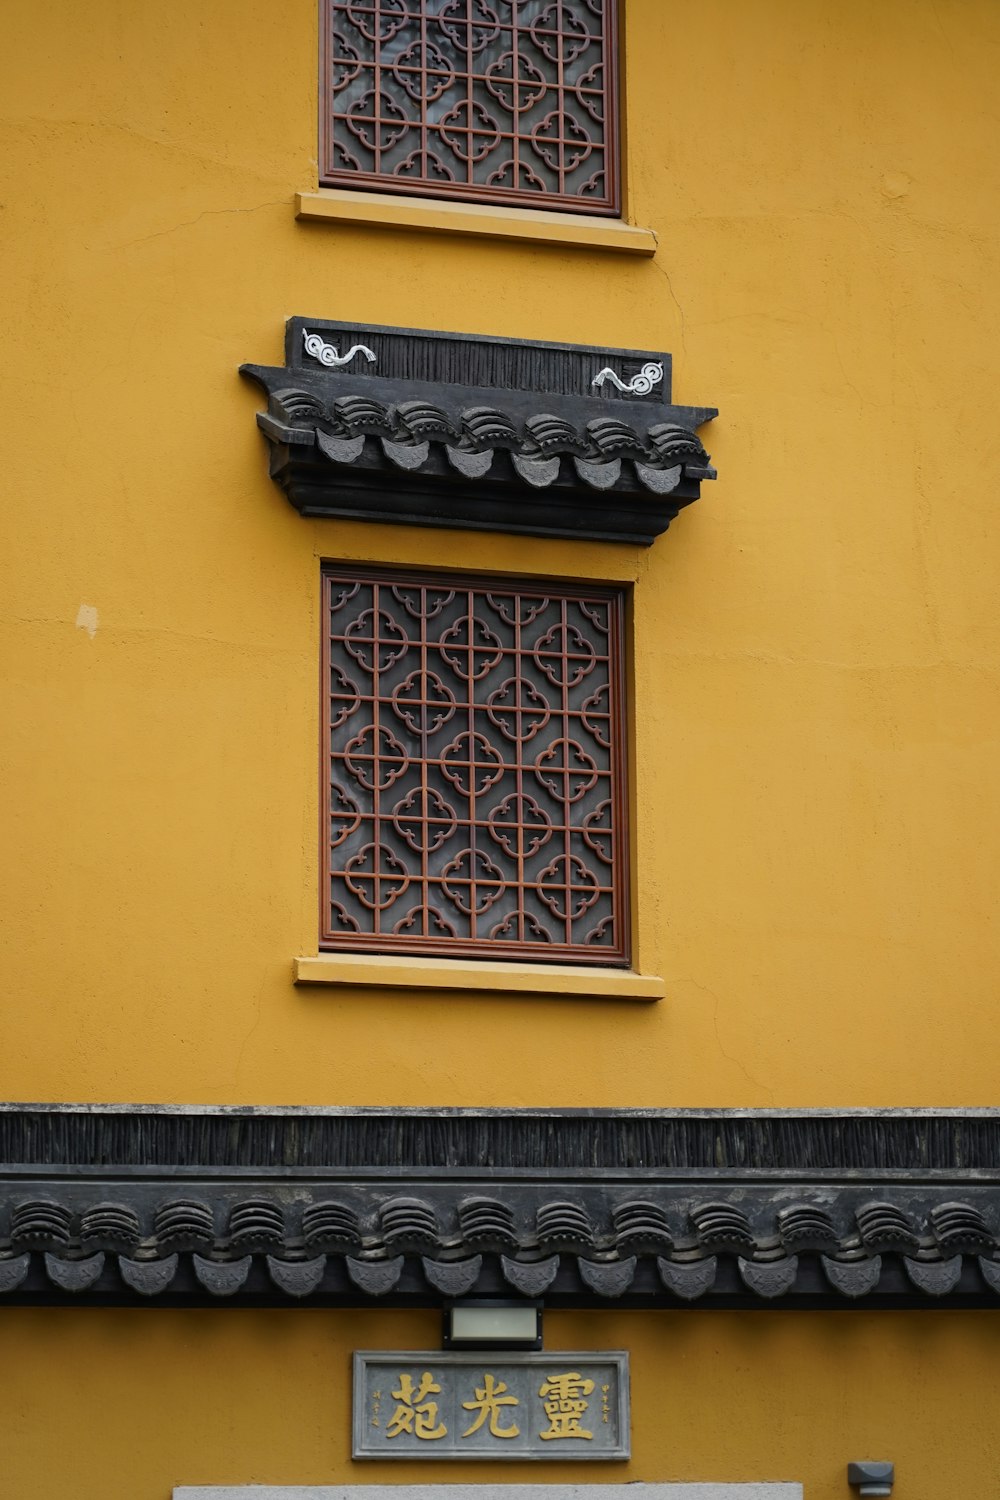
<point x="491" y="1406"/>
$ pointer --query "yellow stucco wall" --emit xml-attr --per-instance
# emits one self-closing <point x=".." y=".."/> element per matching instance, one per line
<point x="715" y="1396"/>
<point x="817" y="704"/>
<point x="816" y="640"/>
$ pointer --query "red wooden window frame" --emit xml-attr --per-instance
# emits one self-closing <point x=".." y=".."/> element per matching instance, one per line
<point x="473" y="767"/>
<point x="494" y="101"/>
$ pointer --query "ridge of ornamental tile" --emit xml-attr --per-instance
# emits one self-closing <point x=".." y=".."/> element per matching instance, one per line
<point x="905" y="1242"/>
<point x="574" y="441"/>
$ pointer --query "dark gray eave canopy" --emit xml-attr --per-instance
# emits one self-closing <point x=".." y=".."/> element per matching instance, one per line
<point x="152" y="1206"/>
<point x="437" y="429"/>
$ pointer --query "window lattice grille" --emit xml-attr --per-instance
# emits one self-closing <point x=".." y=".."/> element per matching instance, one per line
<point x="506" y="100"/>
<point x="474" y="798"/>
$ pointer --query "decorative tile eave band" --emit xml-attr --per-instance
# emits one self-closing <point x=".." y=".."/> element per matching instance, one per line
<point x="120" y="1206"/>
<point x="403" y="425"/>
<point x="336" y="1250"/>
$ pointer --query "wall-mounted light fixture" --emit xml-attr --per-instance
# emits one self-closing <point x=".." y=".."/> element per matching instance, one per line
<point x="486" y="1323"/>
<point x="871" y="1478"/>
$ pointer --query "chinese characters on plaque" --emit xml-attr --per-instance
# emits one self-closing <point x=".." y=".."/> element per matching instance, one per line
<point x="468" y="1406"/>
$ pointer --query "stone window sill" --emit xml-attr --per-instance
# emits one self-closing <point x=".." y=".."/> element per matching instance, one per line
<point x="354" y="970"/>
<point x="395" y="211"/>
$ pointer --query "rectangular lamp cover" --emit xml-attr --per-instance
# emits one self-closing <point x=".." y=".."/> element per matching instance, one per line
<point x="493" y="1323"/>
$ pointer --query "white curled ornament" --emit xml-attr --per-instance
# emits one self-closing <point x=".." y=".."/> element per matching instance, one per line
<point x="640" y="385"/>
<point x="327" y="354"/>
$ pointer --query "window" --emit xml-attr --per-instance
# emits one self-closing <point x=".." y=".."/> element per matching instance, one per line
<point x="495" y="100"/>
<point x="474" y="795"/>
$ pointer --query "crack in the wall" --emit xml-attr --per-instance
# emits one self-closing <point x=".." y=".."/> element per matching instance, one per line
<point x="755" y="1082"/>
<point x="674" y="298"/>
<point x="205" y="214"/>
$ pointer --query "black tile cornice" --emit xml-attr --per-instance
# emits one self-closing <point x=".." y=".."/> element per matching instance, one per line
<point x="479" y="433"/>
<point x="123" y="1205"/>
<point x="537" y="1141"/>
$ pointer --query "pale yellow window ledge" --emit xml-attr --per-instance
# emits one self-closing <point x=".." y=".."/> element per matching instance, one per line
<point x="352" y="970"/>
<point x="489" y="221"/>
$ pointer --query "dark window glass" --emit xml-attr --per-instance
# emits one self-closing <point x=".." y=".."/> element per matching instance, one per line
<point x="495" y="100"/>
<point x="474" y="797"/>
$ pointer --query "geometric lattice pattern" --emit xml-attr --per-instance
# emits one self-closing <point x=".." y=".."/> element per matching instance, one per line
<point x="502" y="100"/>
<point x="475" y="801"/>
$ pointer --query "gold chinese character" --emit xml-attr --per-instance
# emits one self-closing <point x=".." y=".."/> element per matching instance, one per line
<point x="415" y="1414"/>
<point x="566" y="1405"/>
<point x="489" y="1399"/>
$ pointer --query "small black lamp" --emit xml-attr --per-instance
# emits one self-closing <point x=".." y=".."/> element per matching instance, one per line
<point x="871" y="1477"/>
<point x="492" y="1323"/>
